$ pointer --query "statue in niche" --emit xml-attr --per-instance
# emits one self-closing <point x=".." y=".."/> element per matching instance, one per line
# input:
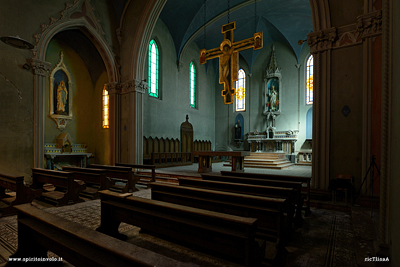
<point x="273" y="100"/>
<point x="62" y="96"/>
<point x="238" y="131"/>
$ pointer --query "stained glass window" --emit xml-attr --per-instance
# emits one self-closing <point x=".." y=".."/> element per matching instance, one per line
<point x="241" y="91"/>
<point x="310" y="80"/>
<point x="105" y="109"/>
<point x="153" y="68"/>
<point x="192" y="86"/>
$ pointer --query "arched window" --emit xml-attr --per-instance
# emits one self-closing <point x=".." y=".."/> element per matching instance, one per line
<point x="153" y="68"/>
<point x="309" y="124"/>
<point x="106" y="98"/>
<point x="241" y="91"/>
<point x="192" y="86"/>
<point x="310" y="80"/>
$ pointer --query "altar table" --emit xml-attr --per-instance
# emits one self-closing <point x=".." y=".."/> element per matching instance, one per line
<point x="205" y="159"/>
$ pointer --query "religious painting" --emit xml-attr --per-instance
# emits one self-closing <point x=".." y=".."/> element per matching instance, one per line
<point x="272" y="95"/>
<point x="60" y="94"/>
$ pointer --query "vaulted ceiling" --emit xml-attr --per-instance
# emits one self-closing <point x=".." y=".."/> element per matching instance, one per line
<point x="285" y="21"/>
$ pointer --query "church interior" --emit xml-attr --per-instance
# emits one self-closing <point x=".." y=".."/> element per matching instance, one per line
<point x="288" y="107"/>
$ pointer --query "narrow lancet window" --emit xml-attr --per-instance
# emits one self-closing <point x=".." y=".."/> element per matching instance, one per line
<point x="106" y="98"/>
<point x="153" y="68"/>
<point x="192" y="86"/>
<point x="310" y="80"/>
<point x="241" y="91"/>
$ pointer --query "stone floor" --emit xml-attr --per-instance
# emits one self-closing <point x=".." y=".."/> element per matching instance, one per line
<point x="327" y="238"/>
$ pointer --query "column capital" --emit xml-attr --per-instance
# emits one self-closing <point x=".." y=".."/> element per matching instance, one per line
<point x="40" y="67"/>
<point x="138" y="86"/>
<point x="113" y="88"/>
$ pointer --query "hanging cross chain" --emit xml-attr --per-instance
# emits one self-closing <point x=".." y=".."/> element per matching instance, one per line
<point x="228" y="54"/>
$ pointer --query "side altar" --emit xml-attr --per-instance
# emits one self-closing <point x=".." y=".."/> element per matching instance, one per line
<point x="65" y="153"/>
<point x="272" y="140"/>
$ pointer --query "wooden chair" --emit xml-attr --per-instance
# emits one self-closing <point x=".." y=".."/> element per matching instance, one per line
<point x="342" y="183"/>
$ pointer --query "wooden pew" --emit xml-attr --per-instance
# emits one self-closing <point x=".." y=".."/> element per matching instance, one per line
<point x="39" y="231"/>
<point x="293" y="195"/>
<point x="61" y="180"/>
<point x="272" y="225"/>
<point x="227" y="235"/>
<point x="23" y="194"/>
<point x="297" y="186"/>
<point x="95" y="180"/>
<point x="119" y="174"/>
<point x="304" y="180"/>
<point x="142" y="178"/>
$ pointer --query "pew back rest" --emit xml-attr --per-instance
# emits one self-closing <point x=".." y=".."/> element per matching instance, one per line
<point x="302" y="179"/>
<point x="87" y="174"/>
<point x="254" y="181"/>
<point x="119" y="172"/>
<point x="242" y="188"/>
<point x="170" y="208"/>
<point x="11" y="182"/>
<point x="223" y="196"/>
<point x="57" y="178"/>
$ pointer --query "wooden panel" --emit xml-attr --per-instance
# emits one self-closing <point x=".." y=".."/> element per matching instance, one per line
<point x="156" y="145"/>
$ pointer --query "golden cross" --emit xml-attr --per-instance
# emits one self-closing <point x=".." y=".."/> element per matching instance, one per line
<point x="228" y="53"/>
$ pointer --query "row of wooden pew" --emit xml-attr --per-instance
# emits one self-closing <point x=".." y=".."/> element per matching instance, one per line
<point x="40" y="231"/>
<point x="226" y="215"/>
<point x="232" y="219"/>
<point x="70" y="183"/>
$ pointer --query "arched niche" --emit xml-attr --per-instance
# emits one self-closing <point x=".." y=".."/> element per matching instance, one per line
<point x="76" y="16"/>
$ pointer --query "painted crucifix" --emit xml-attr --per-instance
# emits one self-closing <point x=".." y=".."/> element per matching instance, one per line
<point x="228" y="54"/>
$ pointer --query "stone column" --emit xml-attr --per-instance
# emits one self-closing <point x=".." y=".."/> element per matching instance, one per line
<point x="131" y="121"/>
<point x="40" y="69"/>
<point x="321" y="44"/>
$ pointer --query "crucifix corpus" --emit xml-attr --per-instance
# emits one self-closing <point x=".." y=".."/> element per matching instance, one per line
<point x="228" y="53"/>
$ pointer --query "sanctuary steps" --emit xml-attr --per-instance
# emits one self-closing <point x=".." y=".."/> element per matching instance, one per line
<point x="265" y="160"/>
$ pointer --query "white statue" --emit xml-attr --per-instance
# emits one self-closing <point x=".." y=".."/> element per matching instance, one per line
<point x="273" y="101"/>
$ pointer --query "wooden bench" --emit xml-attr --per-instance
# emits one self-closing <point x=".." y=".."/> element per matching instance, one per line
<point x="95" y="180"/>
<point x="23" y="194"/>
<point x="296" y="186"/>
<point x="205" y="159"/>
<point x="61" y="180"/>
<point x="143" y="179"/>
<point x="292" y="194"/>
<point x="304" y="180"/>
<point x="39" y="231"/>
<point x="223" y="234"/>
<point x="119" y="174"/>
<point x="272" y="226"/>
